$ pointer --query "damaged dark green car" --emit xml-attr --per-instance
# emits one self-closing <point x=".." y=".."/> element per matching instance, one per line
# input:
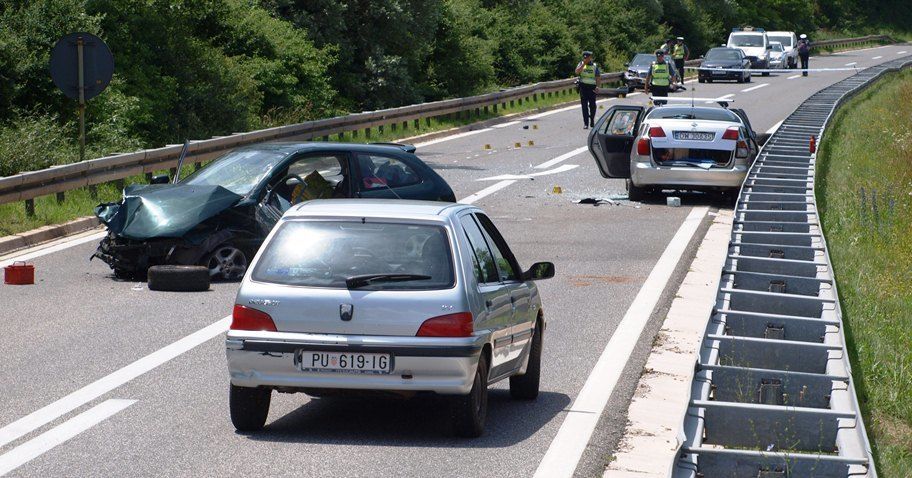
<point x="219" y="216"/>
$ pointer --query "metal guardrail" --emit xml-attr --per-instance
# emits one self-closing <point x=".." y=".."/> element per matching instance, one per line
<point x="772" y="394"/>
<point x="59" y="179"/>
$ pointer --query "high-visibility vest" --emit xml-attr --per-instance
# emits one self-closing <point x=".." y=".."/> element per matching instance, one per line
<point x="678" y="53"/>
<point x="661" y="75"/>
<point x="587" y="76"/>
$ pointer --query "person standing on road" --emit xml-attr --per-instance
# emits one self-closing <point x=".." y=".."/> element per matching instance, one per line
<point x="680" y="53"/>
<point x="804" y="53"/>
<point x="589" y="81"/>
<point x="660" y="76"/>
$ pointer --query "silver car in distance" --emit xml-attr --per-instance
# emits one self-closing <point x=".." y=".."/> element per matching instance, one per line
<point x="401" y="297"/>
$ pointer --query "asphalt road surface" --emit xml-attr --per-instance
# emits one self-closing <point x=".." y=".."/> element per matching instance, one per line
<point x="106" y="378"/>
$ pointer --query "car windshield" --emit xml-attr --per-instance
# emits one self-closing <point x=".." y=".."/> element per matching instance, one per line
<point x="642" y="60"/>
<point x="747" y="40"/>
<point x="392" y="256"/>
<point x="784" y="40"/>
<point x="777" y="47"/>
<point x="723" y="55"/>
<point x="237" y="171"/>
<point x="690" y="113"/>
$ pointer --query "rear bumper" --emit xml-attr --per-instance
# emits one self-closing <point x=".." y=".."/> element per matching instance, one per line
<point x="646" y="173"/>
<point x="419" y="364"/>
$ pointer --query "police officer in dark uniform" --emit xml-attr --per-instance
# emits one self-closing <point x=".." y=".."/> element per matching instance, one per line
<point x="589" y="81"/>
<point x="660" y="77"/>
<point x="804" y="53"/>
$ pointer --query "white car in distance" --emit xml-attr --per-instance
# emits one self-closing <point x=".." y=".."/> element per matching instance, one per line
<point x="789" y="43"/>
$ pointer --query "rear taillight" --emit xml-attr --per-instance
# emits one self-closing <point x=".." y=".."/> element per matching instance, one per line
<point x="656" y="132"/>
<point x="245" y="318"/>
<point x="732" y="134"/>
<point x="643" y="147"/>
<point x="450" y="325"/>
<point x="742" y="150"/>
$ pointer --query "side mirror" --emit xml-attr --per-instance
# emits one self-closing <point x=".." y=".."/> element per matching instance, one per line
<point x="626" y="64"/>
<point x="160" y="179"/>
<point x="539" y="271"/>
<point x="701" y="57"/>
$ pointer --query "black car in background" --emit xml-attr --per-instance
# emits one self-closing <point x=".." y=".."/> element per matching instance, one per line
<point x="219" y="216"/>
<point x="718" y="64"/>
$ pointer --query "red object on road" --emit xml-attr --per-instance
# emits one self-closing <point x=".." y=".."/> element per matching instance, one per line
<point x="19" y="273"/>
<point x="813" y="145"/>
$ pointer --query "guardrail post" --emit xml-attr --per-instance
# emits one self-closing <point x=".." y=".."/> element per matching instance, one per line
<point x="197" y="166"/>
<point x="486" y="110"/>
<point x="393" y="128"/>
<point x="380" y="130"/>
<point x="120" y="184"/>
<point x="30" y="208"/>
<point x="148" y="177"/>
<point x="495" y="108"/>
<point x="427" y="121"/>
<point x="478" y="111"/>
<point x="511" y="103"/>
<point x="417" y="124"/>
<point x="535" y="97"/>
<point x="93" y="191"/>
<point x="61" y="196"/>
<point x="367" y="133"/>
<point x="404" y="125"/>
<point x="172" y="172"/>
<point x="340" y="137"/>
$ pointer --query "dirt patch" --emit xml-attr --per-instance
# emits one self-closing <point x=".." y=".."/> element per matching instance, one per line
<point x="588" y="280"/>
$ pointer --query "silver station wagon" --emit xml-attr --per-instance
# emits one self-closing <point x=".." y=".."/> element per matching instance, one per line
<point x="402" y="297"/>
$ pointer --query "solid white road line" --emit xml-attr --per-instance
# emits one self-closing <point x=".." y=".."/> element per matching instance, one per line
<point x="901" y="52"/>
<point x="559" y="169"/>
<point x="562" y="158"/>
<point x="721" y="98"/>
<point x="486" y="191"/>
<point x="850" y="64"/>
<point x="793" y="77"/>
<point x="50" y="248"/>
<point x="90" y="392"/>
<point x="505" y="125"/>
<point x="877" y="57"/>
<point x="37" y="446"/>
<point x="449" y="138"/>
<point x="752" y="88"/>
<point x="580" y="420"/>
<point x="775" y="127"/>
<point x="565" y="108"/>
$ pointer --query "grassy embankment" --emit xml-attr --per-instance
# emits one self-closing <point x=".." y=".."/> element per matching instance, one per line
<point x="865" y="197"/>
<point x="79" y="202"/>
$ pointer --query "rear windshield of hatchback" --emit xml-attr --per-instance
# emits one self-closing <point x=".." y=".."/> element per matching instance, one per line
<point x="327" y="253"/>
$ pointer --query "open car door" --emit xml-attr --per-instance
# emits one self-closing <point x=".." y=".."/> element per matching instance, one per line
<point x="611" y="140"/>
<point x="755" y="141"/>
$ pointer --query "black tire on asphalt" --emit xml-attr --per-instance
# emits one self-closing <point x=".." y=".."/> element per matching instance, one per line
<point x="249" y="407"/>
<point x="709" y="80"/>
<point x="701" y="80"/>
<point x="175" y="278"/>
<point x="636" y="193"/>
<point x="471" y="410"/>
<point x="748" y="79"/>
<point x="525" y="387"/>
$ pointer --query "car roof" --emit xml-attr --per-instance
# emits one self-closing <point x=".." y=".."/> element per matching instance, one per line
<point x="379" y="208"/>
<point x="726" y="48"/>
<point x="289" y="147"/>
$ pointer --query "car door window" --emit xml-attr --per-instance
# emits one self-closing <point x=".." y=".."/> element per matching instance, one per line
<point x="325" y="176"/>
<point x="621" y="123"/>
<point x="503" y="257"/>
<point x="380" y="172"/>
<point x="486" y="269"/>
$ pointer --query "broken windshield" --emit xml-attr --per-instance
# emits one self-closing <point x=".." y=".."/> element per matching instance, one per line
<point x="237" y="171"/>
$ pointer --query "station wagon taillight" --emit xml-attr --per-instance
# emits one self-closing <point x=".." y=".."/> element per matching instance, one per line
<point x="246" y="318"/>
<point x="656" y="132"/>
<point x="450" y="325"/>
<point x="643" y="147"/>
<point x="742" y="150"/>
<point x="731" y="133"/>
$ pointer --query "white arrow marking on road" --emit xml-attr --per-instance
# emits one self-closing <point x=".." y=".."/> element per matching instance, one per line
<point x="562" y="158"/>
<point x="877" y="57"/>
<point x="90" y="392"/>
<point x="581" y="418"/>
<point x="37" y="446"/>
<point x="486" y="191"/>
<point x="761" y="85"/>
<point x="850" y="64"/>
<point x="559" y="169"/>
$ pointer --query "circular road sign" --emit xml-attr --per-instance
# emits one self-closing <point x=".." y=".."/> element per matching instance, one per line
<point x="97" y="65"/>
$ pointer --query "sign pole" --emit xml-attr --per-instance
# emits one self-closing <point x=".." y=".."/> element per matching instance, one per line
<point x="80" y="43"/>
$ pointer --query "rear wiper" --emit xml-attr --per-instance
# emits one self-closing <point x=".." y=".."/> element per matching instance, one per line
<point x="355" y="282"/>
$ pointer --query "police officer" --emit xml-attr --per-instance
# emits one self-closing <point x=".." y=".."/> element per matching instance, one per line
<point x="804" y="53"/>
<point x="589" y="80"/>
<point x="680" y="54"/>
<point x="660" y="76"/>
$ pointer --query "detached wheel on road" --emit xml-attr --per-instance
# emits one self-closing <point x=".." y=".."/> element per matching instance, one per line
<point x="226" y="263"/>
<point x="525" y="387"/>
<point x="249" y="407"/>
<point x="470" y="411"/>
<point x="173" y="278"/>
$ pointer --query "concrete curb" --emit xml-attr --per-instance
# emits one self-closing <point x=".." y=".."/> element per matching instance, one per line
<point x="34" y="237"/>
<point x="650" y="441"/>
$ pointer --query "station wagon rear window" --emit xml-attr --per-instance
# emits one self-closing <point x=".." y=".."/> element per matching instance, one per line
<point x="327" y="253"/>
<point x="689" y="113"/>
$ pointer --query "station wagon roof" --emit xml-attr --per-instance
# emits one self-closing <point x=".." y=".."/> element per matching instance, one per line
<point x="385" y="208"/>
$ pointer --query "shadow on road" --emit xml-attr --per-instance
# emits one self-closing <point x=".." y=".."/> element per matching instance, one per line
<point x="720" y="200"/>
<point x="422" y="422"/>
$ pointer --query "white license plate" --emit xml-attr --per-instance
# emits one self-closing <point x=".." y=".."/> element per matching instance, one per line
<point x="719" y="72"/>
<point x="693" y="136"/>
<point x="344" y="362"/>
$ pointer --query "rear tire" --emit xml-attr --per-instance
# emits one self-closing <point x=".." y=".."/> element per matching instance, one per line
<point x="636" y="193"/>
<point x="173" y="278"/>
<point x="525" y="387"/>
<point x="471" y="410"/>
<point x="748" y="79"/>
<point x="226" y="263"/>
<point x="249" y="407"/>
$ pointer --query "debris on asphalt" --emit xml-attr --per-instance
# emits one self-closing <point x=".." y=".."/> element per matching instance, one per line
<point x="598" y="201"/>
<point x="673" y="201"/>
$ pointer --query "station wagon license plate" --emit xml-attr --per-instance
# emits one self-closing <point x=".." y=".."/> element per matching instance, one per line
<point x="693" y="136"/>
<point x="344" y="362"/>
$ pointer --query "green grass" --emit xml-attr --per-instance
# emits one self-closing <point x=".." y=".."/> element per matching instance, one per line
<point x="864" y="192"/>
<point x="79" y="203"/>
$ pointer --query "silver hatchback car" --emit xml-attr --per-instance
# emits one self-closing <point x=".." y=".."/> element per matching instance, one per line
<point x="383" y="295"/>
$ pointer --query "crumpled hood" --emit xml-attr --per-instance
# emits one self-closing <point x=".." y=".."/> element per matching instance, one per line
<point x="163" y="210"/>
